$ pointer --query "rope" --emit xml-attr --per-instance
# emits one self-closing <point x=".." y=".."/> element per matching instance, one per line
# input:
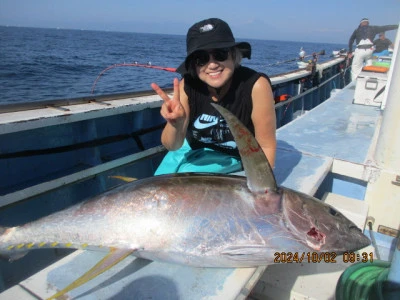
<point x="363" y="281"/>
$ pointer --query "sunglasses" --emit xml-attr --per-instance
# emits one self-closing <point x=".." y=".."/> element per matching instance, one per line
<point x="202" y="57"/>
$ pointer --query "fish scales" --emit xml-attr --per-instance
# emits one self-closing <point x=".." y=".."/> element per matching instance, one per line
<point x="182" y="214"/>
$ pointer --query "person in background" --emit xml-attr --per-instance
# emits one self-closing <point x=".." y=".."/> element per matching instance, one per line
<point x="382" y="45"/>
<point x="364" y="36"/>
<point x="197" y="137"/>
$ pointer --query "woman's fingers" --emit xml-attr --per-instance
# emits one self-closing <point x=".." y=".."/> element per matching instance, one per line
<point x="164" y="95"/>
<point x="176" y="90"/>
<point x="171" y="109"/>
<point x="160" y="92"/>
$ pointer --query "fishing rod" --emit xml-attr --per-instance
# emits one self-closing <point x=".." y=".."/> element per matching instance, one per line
<point x="173" y="70"/>
<point x="135" y="64"/>
<point x="322" y="52"/>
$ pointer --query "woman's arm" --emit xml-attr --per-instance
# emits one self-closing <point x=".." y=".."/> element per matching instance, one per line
<point x="264" y="118"/>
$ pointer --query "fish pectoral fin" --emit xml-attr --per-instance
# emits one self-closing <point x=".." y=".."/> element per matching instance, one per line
<point x="111" y="259"/>
<point x="124" y="178"/>
<point x="243" y="252"/>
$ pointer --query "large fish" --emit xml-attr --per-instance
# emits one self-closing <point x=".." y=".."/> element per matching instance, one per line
<point x="201" y="220"/>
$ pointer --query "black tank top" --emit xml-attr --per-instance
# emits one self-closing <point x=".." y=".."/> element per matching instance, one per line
<point x="207" y="128"/>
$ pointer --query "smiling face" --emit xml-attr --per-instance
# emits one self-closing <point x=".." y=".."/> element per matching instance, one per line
<point x="214" y="72"/>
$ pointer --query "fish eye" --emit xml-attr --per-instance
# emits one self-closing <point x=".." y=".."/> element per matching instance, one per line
<point x="355" y="227"/>
<point x="333" y="212"/>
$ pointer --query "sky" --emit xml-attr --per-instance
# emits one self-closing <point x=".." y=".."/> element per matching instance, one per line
<point x="321" y="21"/>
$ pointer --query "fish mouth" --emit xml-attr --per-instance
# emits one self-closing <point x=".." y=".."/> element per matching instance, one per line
<point x="360" y="239"/>
<point x="354" y="240"/>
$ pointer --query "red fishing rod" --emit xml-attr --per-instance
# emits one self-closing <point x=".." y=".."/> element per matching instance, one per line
<point x="173" y="70"/>
<point x="135" y="64"/>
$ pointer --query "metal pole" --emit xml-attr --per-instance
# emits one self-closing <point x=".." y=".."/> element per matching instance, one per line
<point x="394" y="272"/>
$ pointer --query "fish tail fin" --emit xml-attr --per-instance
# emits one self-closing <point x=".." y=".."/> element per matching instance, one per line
<point x="12" y="257"/>
<point x="4" y="254"/>
<point x="2" y="230"/>
<point x="111" y="259"/>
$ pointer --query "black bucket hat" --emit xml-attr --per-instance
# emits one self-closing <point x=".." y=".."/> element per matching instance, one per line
<point x="211" y="34"/>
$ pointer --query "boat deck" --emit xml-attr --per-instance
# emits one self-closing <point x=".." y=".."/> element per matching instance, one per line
<point x="334" y="137"/>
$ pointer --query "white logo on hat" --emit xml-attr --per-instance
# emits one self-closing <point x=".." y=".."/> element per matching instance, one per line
<point x="206" y="28"/>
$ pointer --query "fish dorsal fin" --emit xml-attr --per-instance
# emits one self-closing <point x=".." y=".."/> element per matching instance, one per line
<point x="256" y="166"/>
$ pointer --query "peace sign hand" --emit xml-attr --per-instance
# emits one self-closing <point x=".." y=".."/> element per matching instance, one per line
<point x="172" y="109"/>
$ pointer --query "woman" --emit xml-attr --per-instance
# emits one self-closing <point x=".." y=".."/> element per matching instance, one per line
<point x="196" y="135"/>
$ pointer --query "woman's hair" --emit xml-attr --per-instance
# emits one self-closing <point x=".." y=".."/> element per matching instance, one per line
<point x="236" y="57"/>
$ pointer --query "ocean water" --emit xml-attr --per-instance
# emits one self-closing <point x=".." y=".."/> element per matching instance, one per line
<point x="44" y="64"/>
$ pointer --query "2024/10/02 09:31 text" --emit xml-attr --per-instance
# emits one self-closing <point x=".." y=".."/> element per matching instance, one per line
<point x="328" y="257"/>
